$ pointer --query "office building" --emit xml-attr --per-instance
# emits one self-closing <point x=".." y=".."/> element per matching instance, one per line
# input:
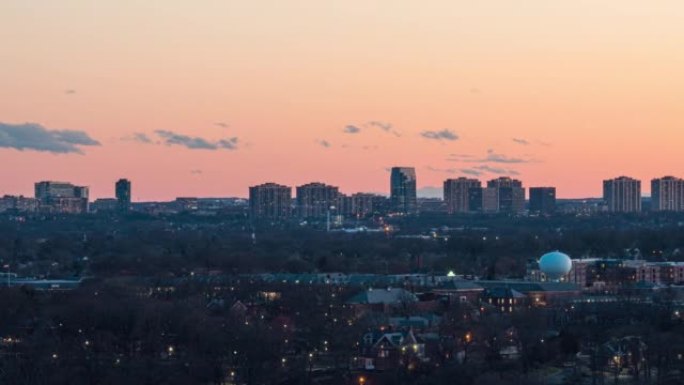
<point x="622" y="194"/>
<point x="270" y="201"/>
<point x="503" y="195"/>
<point x="458" y="193"/>
<point x="62" y="197"/>
<point x="403" y="197"/>
<point x="123" y="195"/>
<point x="667" y="194"/>
<point x="542" y="200"/>
<point x="317" y="200"/>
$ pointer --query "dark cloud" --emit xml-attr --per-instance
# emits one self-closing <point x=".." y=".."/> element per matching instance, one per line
<point x="351" y="129"/>
<point x="521" y="141"/>
<point x="444" y="134"/>
<point x="470" y="171"/>
<point x="196" y="143"/>
<point x="324" y="143"/>
<point x="32" y="136"/>
<point x="222" y="124"/>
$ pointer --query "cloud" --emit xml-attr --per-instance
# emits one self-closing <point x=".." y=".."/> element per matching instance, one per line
<point x="196" y="172"/>
<point x="324" y="143"/>
<point x="521" y="141"/>
<point x="171" y="138"/>
<point x="222" y="124"/>
<point x="470" y="171"/>
<point x="32" y="136"/>
<point x="495" y="170"/>
<point x="491" y="157"/>
<point x="141" y="137"/>
<point x="444" y="134"/>
<point x="69" y="92"/>
<point x="351" y="129"/>
<point x="387" y="127"/>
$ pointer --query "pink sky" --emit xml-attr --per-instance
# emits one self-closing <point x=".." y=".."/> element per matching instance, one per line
<point x="591" y="88"/>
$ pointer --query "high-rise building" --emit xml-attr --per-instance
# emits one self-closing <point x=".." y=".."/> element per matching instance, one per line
<point x="476" y="200"/>
<point x="123" y="194"/>
<point x="622" y="194"/>
<point x="667" y="194"/>
<point x="365" y="204"/>
<point x="270" y="200"/>
<point x="62" y="197"/>
<point x="503" y="195"/>
<point x="403" y="197"/>
<point x="458" y="193"/>
<point x="542" y="200"/>
<point x="316" y="200"/>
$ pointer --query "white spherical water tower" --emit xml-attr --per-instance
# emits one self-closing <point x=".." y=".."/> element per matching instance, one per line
<point x="555" y="265"/>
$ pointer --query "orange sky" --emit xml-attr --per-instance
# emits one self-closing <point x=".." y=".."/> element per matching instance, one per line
<point x="590" y="88"/>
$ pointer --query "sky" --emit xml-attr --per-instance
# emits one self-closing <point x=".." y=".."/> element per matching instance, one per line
<point x="205" y="98"/>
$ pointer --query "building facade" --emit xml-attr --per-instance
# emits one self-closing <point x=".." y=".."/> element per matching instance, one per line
<point x="503" y="195"/>
<point x="622" y="195"/>
<point x="270" y="201"/>
<point x="123" y="195"/>
<point x="542" y="200"/>
<point x="62" y="197"/>
<point x="403" y="198"/>
<point x="458" y="192"/>
<point x="667" y="194"/>
<point x="317" y="200"/>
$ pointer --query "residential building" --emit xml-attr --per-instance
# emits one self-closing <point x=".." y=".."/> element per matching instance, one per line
<point x="504" y="195"/>
<point x="458" y="193"/>
<point x="270" y="201"/>
<point x="18" y="204"/>
<point x="542" y="200"/>
<point x="667" y="194"/>
<point x="316" y="200"/>
<point x="622" y="194"/>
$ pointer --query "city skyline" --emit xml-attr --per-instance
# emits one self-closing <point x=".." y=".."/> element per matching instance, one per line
<point x="547" y="93"/>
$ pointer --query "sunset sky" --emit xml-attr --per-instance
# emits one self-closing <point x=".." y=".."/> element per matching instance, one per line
<point x="207" y="97"/>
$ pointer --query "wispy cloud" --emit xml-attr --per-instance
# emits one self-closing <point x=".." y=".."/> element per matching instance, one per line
<point x="384" y="126"/>
<point x="139" y="137"/>
<point x="491" y="157"/>
<point x="196" y="172"/>
<point x="351" y="129"/>
<point x="521" y="141"/>
<point x="32" y="136"/>
<point x="471" y="172"/>
<point x="222" y="124"/>
<point x="495" y="170"/>
<point x="444" y="134"/>
<point x="324" y="143"/>
<point x="171" y="138"/>
<point x="69" y="92"/>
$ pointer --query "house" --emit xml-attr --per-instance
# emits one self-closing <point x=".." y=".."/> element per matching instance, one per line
<point x="386" y="350"/>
